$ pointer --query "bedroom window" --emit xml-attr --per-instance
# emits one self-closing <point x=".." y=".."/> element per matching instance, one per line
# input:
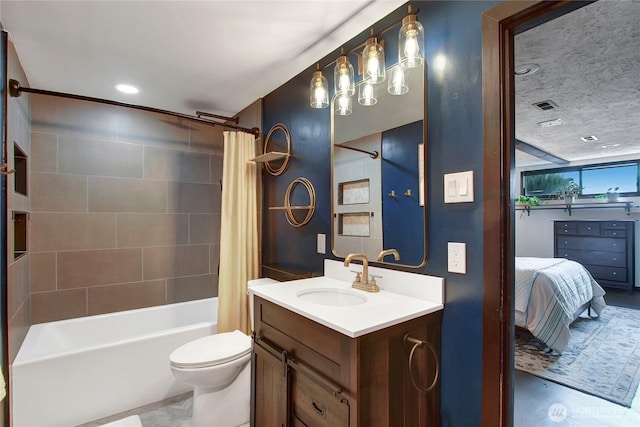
<point x="594" y="179"/>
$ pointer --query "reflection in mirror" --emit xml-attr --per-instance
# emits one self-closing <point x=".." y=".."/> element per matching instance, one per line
<point x="378" y="174"/>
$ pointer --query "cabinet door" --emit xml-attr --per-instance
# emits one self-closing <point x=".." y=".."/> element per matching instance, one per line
<point x="271" y="399"/>
<point x="314" y="406"/>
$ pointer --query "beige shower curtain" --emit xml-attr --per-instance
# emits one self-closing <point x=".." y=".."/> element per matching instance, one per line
<point x="238" y="232"/>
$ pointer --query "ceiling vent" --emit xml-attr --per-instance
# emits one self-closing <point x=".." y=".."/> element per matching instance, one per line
<point x="526" y="69"/>
<point x="545" y="105"/>
<point x="551" y="123"/>
<point x="589" y="138"/>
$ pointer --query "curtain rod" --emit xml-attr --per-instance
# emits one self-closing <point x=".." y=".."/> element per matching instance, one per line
<point x="15" y="90"/>
<point x="372" y="154"/>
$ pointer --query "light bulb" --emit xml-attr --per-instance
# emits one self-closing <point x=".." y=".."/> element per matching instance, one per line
<point x="373" y="59"/>
<point x="343" y="105"/>
<point x="397" y="84"/>
<point x="343" y="76"/>
<point x="411" y="42"/>
<point x="319" y="91"/>
<point x="366" y="95"/>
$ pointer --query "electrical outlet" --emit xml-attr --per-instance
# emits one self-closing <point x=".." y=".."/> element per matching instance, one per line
<point x="457" y="257"/>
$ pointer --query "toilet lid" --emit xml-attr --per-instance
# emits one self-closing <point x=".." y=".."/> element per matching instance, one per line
<point x="212" y="350"/>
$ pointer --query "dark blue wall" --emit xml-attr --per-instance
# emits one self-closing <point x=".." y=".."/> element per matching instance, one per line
<point x="452" y="28"/>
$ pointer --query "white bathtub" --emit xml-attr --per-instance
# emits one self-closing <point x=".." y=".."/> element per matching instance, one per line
<point x="74" y="371"/>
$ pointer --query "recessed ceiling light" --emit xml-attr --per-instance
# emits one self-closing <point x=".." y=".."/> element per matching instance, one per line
<point x="526" y="69"/>
<point x="124" y="88"/>
<point x="589" y="138"/>
<point x="609" y="146"/>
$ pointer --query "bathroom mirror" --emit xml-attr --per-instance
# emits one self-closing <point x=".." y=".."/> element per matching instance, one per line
<point x="377" y="175"/>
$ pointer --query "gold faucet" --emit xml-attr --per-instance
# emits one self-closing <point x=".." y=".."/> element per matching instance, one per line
<point x="363" y="284"/>
<point x="384" y="253"/>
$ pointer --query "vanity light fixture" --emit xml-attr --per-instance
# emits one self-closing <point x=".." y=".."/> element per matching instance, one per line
<point x="366" y="93"/>
<point x="397" y="82"/>
<point x="319" y="90"/>
<point x="343" y="77"/>
<point x="343" y="104"/>
<point x="411" y="42"/>
<point x="373" y="61"/>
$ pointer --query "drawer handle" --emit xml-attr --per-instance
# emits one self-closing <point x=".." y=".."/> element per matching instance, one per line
<point x="614" y="233"/>
<point x="566" y="241"/>
<point x="613" y="259"/>
<point x="318" y="407"/>
<point x="614" y="273"/>
<point x="588" y="228"/>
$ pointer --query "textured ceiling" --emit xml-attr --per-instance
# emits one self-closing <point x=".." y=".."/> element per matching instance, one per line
<point x="590" y="68"/>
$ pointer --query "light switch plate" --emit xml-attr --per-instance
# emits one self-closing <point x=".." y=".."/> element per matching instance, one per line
<point x="458" y="187"/>
<point x="457" y="257"/>
<point x="321" y="243"/>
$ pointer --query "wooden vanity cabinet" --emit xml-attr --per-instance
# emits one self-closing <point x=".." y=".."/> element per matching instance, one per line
<point x="306" y="374"/>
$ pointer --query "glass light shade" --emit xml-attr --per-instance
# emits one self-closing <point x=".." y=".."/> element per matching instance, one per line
<point x="366" y="93"/>
<point x="319" y="91"/>
<point x="397" y="82"/>
<point x="343" y="104"/>
<point x="343" y="77"/>
<point x="411" y="42"/>
<point x="373" y="61"/>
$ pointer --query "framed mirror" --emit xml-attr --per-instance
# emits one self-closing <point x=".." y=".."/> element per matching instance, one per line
<point x="377" y="175"/>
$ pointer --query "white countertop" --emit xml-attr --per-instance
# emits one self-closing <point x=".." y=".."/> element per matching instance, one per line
<point x="382" y="309"/>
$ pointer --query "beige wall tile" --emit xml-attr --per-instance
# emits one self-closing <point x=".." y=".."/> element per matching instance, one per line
<point x="58" y="193"/>
<point x="175" y="261"/>
<point x="193" y="198"/>
<point x="18" y="288"/>
<point x="141" y="230"/>
<point x="43" y="271"/>
<point x="126" y="195"/>
<point x="112" y="298"/>
<point x="191" y="288"/>
<point x="44" y="152"/>
<point x="70" y="116"/>
<point x="83" y="156"/>
<point x="18" y="328"/>
<point x="153" y="129"/>
<point x="204" y="228"/>
<point x="72" y="231"/>
<point x="58" y="305"/>
<point x="205" y="138"/>
<point x="174" y="165"/>
<point x="91" y="268"/>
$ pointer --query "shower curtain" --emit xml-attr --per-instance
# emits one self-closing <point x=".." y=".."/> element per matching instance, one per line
<point x="238" y="232"/>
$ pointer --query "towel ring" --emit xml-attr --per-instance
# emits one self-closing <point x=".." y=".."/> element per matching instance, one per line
<point x="419" y="344"/>
<point x="288" y="208"/>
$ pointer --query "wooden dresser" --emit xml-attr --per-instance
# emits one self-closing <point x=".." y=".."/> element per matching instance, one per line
<point x="605" y="248"/>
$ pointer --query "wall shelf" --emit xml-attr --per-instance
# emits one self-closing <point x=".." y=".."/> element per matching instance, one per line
<point x="267" y="157"/>
<point x="626" y="205"/>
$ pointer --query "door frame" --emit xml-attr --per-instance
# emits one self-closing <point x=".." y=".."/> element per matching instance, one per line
<point x="499" y="26"/>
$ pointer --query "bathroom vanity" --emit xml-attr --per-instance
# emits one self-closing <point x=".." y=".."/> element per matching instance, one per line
<point x="324" y="357"/>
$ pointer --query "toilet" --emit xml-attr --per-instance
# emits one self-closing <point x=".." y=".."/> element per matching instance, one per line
<point x="219" y="370"/>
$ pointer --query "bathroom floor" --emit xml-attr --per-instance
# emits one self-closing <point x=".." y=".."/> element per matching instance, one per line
<point x="173" y="412"/>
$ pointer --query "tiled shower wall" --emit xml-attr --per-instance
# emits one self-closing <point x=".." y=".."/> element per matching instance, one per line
<point x="125" y="209"/>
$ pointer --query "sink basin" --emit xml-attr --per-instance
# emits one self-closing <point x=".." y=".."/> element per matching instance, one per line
<point x="333" y="297"/>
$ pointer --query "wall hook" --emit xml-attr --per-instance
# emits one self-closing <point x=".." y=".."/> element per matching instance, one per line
<point x="392" y="193"/>
<point x="408" y="193"/>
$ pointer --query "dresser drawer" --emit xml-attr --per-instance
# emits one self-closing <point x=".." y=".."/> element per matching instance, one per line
<point x="589" y="228"/>
<point x="612" y="232"/>
<point x="566" y="228"/>
<point x="610" y="244"/>
<point x="607" y="273"/>
<point x="613" y="259"/>
<point x="614" y="225"/>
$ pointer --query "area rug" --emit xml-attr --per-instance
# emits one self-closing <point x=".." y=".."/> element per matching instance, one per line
<point x="601" y="359"/>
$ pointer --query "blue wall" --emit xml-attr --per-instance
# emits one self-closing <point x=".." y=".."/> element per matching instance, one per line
<point x="454" y="29"/>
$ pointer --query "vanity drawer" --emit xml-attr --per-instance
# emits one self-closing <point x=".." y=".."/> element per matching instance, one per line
<point x="314" y="406"/>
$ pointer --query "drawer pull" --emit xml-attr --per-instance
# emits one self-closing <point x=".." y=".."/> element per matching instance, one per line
<point x="588" y="228"/>
<point x="319" y="408"/>
<point x="613" y="259"/>
<point x="614" y="273"/>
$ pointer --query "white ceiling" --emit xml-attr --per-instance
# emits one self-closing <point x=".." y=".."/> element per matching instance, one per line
<point x="590" y="67"/>
<point x="216" y="56"/>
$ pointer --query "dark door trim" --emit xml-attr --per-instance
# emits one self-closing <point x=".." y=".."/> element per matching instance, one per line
<point x="499" y="25"/>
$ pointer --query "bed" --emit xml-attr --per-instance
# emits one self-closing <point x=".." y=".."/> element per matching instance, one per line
<point x="550" y="293"/>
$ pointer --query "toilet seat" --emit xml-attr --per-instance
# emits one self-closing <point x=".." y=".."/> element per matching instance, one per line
<point x="212" y="350"/>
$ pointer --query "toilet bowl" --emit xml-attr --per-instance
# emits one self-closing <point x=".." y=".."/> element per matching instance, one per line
<point x="219" y="370"/>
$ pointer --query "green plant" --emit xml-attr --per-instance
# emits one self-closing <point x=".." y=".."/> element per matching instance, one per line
<point x="612" y="190"/>
<point x="611" y="193"/>
<point x="568" y="191"/>
<point x="526" y="200"/>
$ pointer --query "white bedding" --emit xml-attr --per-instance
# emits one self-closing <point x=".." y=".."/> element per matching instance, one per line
<point x="549" y="292"/>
